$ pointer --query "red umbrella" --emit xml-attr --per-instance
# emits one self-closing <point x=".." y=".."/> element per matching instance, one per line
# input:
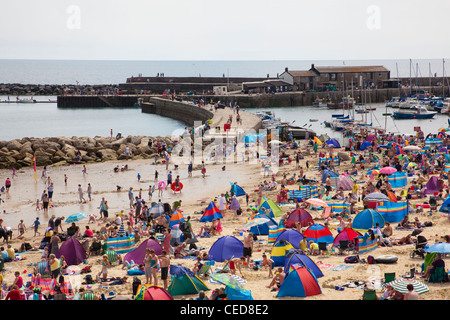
<point x="388" y="170"/>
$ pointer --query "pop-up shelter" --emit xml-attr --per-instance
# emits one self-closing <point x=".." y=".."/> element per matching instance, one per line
<point x="367" y="219"/>
<point x="211" y="213"/>
<point x="299" y="282"/>
<point x="263" y="229"/>
<point x="292" y="236"/>
<point x="298" y="216"/>
<point x="186" y="284"/>
<point x="433" y="186"/>
<point x="303" y="260"/>
<point x="271" y="207"/>
<point x="73" y="252"/>
<point x="237" y="190"/>
<point x="278" y="252"/>
<point x="138" y="254"/>
<point x="225" y="248"/>
<point x="445" y="208"/>
<point x="318" y="233"/>
<point x="347" y="234"/>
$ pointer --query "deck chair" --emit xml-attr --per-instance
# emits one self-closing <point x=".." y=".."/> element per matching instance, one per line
<point x="112" y="257"/>
<point x="439" y="275"/>
<point x="389" y="276"/>
<point x="205" y="269"/>
<point x="322" y="247"/>
<point x="370" y="295"/>
<point x="43" y="270"/>
<point x="411" y="274"/>
<point x="343" y="246"/>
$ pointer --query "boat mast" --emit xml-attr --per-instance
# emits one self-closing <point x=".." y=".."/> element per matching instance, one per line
<point x="410" y="80"/>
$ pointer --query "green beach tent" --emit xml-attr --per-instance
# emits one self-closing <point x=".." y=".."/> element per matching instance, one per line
<point x="186" y="284"/>
<point x="271" y="206"/>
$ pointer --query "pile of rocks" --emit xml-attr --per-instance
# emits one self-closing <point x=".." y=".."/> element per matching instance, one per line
<point x="17" y="89"/>
<point x="19" y="153"/>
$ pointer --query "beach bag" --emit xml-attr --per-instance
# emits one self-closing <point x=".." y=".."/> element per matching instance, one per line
<point x="351" y="259"/>
<point x="370" y="260"/>
<point x="182" y="226"/>
<point x="136" y="284"/>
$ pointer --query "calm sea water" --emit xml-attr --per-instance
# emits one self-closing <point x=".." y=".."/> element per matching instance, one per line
<point x="114" y="72"/>
<point x="45" y="119"/>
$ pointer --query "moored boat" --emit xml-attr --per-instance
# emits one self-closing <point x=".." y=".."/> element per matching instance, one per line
<point x="414" y="112"/>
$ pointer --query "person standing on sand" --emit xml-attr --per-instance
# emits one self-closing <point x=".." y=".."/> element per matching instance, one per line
<point x="89" y="191"/>
<point x="131" y="197"/>
<point x="248" y="247"/>
<point x="7" y="184"/>
<point x="167" y="239"/>
<point x="164" y="261"/>
<point x="203" y="169"/>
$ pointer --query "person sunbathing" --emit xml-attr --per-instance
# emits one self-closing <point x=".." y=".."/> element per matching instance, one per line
<point x="402" y="241"/>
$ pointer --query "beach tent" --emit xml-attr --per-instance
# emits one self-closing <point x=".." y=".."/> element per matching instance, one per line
<point x="186" y="284"/>
<point x="347" y="234"/>
<point x="318" y="233"/>
<point x="120" y="244"/>
<point x="279" y="251"/>
<point x="433" y="186"/>
<point x="298" y="216"/>
<point x="157" y="209"/>
<point x="333" y="142"/>
<point x="274" y="232"/>
<point x="367" y="244"/>
<point x="393" y="212"/>
<point x="303" y="260"/>
<point x="225" y="248"/>
<point x="445" y="206"/>
<point x="236" y="294"/>
<point x="177" y="235"/>
<point x="73" y="252"/>
<point x="365" y="145"/>
<point x="367" y="219"/>
<point x="211" y="212"/>
<point x="271" y="207"/>
<point x="138" y="254"/>
<point x="152" y="292"/>
<point x="292" y="236"/>
<point x="263" y="229"/>
<point x="345" y="183"/>
<point x="237" y="190"/>
<point x="397" y="179"/>
<point x="299" y="282"/>
<point x="176" y="218"/>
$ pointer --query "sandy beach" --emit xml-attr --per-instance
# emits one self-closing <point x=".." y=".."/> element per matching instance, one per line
<point x="19" y="203"/>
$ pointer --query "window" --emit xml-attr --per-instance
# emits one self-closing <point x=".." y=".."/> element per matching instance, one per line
<point x="333" y="76"/>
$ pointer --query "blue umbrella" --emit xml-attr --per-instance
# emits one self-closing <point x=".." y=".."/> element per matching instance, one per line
<point x="76" y="217"/>
<point x="439" y="248"/>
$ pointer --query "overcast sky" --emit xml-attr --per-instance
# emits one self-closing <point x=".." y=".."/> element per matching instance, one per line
<point x="224" y="30"/>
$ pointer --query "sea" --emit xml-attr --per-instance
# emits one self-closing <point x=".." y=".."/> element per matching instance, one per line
<point x="45" y="119"/>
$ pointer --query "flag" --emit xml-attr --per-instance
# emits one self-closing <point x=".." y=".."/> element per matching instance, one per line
<point x="34" y="167"/>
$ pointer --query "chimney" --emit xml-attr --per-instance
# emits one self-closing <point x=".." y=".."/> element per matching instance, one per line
<point x="312" y="65"/>
<point x="286" y="69"/>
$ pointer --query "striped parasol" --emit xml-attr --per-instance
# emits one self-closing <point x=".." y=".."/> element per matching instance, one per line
<point x="400" y="285"/>
<point x="76" y="217"/>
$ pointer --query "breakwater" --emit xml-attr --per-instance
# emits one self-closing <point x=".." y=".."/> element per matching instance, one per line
<point x="19" y="153"/>
<point x="18" y="89"/>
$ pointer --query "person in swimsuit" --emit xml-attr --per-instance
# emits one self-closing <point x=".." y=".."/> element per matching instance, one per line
<point x="164" y="260"/>
<point x="105" y="266"/>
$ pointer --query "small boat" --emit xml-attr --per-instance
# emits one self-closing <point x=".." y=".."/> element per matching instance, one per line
<point x="319" y="103"/>
<point x="313" y="120"/>
<point x="414" y="112"/>
<point x="26" y="101"/>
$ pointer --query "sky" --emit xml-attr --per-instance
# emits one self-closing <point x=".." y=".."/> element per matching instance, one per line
<point x="224" y="30"/>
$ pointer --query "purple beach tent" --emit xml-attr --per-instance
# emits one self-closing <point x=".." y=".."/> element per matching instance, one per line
<point x="138" y="254"/>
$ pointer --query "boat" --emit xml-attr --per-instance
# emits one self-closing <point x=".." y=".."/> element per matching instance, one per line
<point x="414" y="112"/>
<point x="297" y="132"/>
<point x="313" y="120"/>
<point x="319" y="103"/>
<point x="26" y="100"/>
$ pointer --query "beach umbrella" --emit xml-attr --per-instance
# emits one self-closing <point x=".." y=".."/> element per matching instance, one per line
<point x="317" y="202"/>
<point x="121" y="232"/>
<point x="345" y="183"/>
<point x="376" y="197"/>
<point x="388" y="170"/>
<point x="371" y="137"/>
<point x="76" y="217"/>
<point x="439" y="248"/>
<point x="401" y="285"/>
<point x="255" y="222"/>
<point x="318" y="233"/>
<point x="392" y="197"/>
<point x="228" y="280"/>
<point x="365" y="145"/>
<point x="412" y="165"/>
<point x="373" y="172"/>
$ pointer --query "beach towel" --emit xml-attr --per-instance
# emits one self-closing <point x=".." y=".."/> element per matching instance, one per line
<point x="341" y="267"/>
<point x="43" y="284"/>
<point x="324" y="265"/>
